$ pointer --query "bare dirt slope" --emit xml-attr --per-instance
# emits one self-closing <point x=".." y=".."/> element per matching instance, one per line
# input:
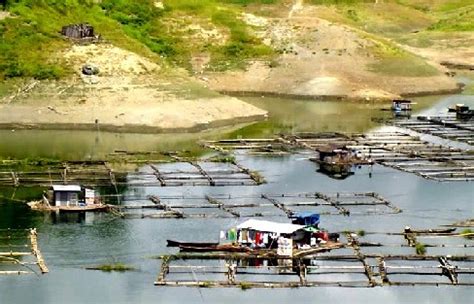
<point x="320" y="58"/>
<point x="129" y="93"/>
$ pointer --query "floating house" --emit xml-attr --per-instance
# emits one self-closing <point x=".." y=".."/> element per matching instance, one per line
<point x="71" y="198"/>
<point x="265" y="237"/>
<point x="399" y="105"/>
<point x="70" y="195"/>
<point x="462" y="111"/>
<point x="337" y="161"/>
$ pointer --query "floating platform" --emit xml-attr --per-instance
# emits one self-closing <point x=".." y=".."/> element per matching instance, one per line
<point x="395" y="149"/>
<point x="263" y="205"/>
<point x="448" y="126"/>
<point x="101" y="173"/>
<point x="354" y="268"/>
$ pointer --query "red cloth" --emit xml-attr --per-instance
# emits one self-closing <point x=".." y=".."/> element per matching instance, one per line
<point x="258" y="238"/>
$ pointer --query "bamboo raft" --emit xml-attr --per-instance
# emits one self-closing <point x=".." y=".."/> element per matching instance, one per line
<point x="100" y="174"/>
<point x="268" y="205"/>
<point x="447" y="126"/>
<point x="20" y="262"/>
<point x="318" y="268"/>
<point x="395" y="149"/>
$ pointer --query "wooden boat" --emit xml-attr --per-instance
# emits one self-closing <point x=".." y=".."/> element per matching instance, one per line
<point x="172" y="243"/>
<point x="41" y="206"/>
<point x="223" y="247"/>
<point x="427" y="231"/>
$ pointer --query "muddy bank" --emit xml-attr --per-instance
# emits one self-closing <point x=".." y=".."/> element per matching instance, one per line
<point x="341" y="98"/>
<point x="131" y="128"/>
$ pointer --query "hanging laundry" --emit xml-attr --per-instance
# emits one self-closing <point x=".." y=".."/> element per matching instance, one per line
<point x="258" y="239"/>
<point x="232" y="235"/>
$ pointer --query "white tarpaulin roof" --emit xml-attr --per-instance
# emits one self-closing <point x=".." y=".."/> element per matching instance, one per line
<point x="72" y="188"/>
<point x="267" y="226"/>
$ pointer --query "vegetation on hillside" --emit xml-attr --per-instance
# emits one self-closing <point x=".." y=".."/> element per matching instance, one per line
<point x="178" y="30"/>
<point x="30" y="39"/>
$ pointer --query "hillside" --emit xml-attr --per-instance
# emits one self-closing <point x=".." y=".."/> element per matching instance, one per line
<point x="175" y="55"/>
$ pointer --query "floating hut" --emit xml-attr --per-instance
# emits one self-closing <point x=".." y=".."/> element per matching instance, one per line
<point x="399" y="105"/>
<point x="72" y="198"/>
<point x="265" y="237"/>
<point x="337" y="161"/>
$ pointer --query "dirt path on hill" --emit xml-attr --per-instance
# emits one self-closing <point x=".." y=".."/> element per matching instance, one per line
<point x="320" y="59"/>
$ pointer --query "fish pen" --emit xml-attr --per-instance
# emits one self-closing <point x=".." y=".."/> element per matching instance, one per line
<point x="447" y="126"/>
<point x="20" y="253"/>
<point x="103" y="174"/>
<point x="350" y="265"/>
<point x="395" y="149"/>
<point x="263" y="205"/>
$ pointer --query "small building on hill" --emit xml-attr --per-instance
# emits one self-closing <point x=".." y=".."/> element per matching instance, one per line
<point x="78" y="31"/>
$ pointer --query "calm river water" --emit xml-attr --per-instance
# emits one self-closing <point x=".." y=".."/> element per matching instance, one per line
<point x="69" y="247"/>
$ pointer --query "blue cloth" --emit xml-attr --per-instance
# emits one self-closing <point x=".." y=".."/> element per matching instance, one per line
<point x="306" y="218"/>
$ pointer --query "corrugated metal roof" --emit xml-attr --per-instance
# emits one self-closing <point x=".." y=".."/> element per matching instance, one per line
<point x="267" y="226"/>
<point x="74" y="188"/>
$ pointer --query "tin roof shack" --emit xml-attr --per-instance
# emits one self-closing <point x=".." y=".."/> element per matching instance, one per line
<point x="266" y="234"/>
<point x="337" y="161"/>
<point x="66" y="195"/>
<point x="399" y="105"/>
<point x="78" y="31"/>
<point x="334" y="161"/>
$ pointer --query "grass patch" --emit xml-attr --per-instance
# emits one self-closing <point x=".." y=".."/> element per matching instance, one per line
<point x="468" y="233"/>
<point x="223" y="158"/>
<point x="245" y="285"/>
<point x="420" y="248"/>
<point x="30" y="41"/>
<point x="118" y="267"/>
<point x="460" y="20"/>
<point x="403" y="66"/>
<point x="361" y="232"/>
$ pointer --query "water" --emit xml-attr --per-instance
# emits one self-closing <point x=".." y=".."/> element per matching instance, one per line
<point x="69" y="247"/>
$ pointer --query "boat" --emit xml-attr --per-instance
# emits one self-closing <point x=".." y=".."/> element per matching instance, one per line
<point x="428" y="231"/>
<point x="173" y="243"/>
<point x="216" y="248"/>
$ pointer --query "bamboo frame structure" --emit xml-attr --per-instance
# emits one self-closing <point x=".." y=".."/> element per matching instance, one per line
<point x="20" y="262"/>
<point x="100" y="173"/>
<point x="270" y="205"/>
<point x="254" y="270"/>
<point x="447" y="126"/>
<point x="395" y="149"/>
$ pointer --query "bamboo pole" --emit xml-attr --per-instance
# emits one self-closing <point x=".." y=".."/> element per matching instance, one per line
<point x="36" y="252"/>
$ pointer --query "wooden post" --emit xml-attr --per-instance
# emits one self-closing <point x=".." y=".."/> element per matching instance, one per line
<point x="354" y="243"/>
<point x="222" y="206"/>
<point x="333" y="203"/>
<point x="279" y="205"/>
<point x="448" y="270"/>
